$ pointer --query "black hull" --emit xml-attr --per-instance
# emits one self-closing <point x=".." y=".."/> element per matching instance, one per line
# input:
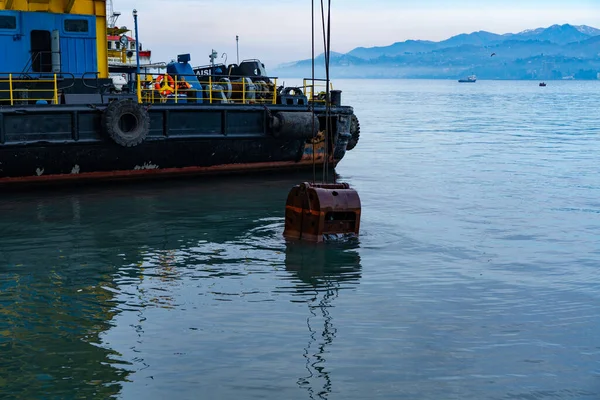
<point x="47" y="144"/>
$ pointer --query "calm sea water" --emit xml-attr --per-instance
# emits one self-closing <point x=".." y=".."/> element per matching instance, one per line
<point x="476" y="275"/>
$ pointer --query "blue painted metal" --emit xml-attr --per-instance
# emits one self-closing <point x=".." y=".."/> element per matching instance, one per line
<point x="137" y="42"/>
<point x="79" y="54"/>
<point x="13" y="45"/>
<point x="183" y="69"/>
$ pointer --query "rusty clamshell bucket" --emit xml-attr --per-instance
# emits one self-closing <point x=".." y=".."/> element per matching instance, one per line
<point x="315" y="211"/>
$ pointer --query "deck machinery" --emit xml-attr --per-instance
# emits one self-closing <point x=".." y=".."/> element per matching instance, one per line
<point x="61" y="120"/>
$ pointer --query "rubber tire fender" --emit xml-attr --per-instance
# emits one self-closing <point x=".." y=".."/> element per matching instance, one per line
<point x="115" y="112"/>
<point x="354" y="131"/>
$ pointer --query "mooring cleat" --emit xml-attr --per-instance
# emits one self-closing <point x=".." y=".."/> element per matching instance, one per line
<point x="316" y="211"/>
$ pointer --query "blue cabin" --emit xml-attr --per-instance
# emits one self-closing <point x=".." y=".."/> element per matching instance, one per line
<point x="41" y="42"/>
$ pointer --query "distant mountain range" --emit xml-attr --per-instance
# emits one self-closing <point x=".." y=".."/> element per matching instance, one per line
<point x="556" y="52"/>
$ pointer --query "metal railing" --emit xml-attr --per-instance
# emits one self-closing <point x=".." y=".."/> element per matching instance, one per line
<point x="45" y="88"/>
<point x="36" y="60"/>
<point x="316" y="93"/>
<point x="19" y="89"/>
<point x="213" y="89"/>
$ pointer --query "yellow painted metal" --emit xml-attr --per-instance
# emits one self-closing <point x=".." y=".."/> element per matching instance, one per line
<point x="120" y="54"/>
<point x="148" y="92"/>
<point x="10" y="87"/>
<point x="69" y="6"/>
<point x="139" y="88"/>
<point x="316" y="92"/>
<point x="55" y="90"/>
<point x="82" y="7"/>
<point x="101" y="40"/>
<point x="52" y="94"/>
<point x="56" y="6"/>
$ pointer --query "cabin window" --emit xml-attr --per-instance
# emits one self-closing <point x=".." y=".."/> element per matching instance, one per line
<point x="132" y="45"/>
<point x="110" y="45"/>
<point x="8" y="22"/>
<point x="76" y="25"/>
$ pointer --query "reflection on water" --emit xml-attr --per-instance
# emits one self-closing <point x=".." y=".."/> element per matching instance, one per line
<point x="323" y="270"/>
<point x="50" y="333"/>
<point x="93" y="282"/>
<point x="476" y="274"/>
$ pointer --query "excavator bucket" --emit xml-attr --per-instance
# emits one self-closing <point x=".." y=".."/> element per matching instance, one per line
<point x="315" y="212"/>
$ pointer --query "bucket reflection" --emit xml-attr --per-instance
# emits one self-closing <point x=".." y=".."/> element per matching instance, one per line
<point x="323" y="270"/>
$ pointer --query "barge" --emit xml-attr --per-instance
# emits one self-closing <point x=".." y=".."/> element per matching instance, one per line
<point x="61" y="119"/>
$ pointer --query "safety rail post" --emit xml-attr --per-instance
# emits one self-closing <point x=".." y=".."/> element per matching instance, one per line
<point x="275" y="91"/>
<point x="139" y="88"/>
<point x="175" y="89"/>
<point x="305" y="92"/>
<point x="243" y="90"/>
<point x="55" y="90"/>
<point x="10" y="89"/>
<point x="210" y="89"/>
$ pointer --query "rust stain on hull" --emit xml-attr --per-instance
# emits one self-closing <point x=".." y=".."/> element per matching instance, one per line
<point x="154" y="173"/>
<point x="315" y="150"/>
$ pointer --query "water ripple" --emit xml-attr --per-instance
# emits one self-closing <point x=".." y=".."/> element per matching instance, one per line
<point x="475" y="275"/>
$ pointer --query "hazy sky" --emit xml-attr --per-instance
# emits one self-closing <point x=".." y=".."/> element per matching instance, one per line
<point x="278" y="31"/>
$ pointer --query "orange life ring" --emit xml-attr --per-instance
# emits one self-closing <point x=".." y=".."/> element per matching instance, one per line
<point x="165" y="85"/>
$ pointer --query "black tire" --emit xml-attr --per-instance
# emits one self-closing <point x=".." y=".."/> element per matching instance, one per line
<point x="126" y="122"/>
<point x="354" y="131"/>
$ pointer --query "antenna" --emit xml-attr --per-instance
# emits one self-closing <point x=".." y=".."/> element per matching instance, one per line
<point x="113" y="15"/>
<point x="237" y="45"/>
<point x="212" y="57"/>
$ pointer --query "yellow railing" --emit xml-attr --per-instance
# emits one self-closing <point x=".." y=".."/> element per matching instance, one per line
<point x="173" y="89"/>
<point x="316" y="93"/>
<point x="214" y="90"/>
<point x="17" y="88"/>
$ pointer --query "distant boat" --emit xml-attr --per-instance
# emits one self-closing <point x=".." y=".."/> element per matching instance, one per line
<point x="542" y="83"/>
<point x="468" y="79"/>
